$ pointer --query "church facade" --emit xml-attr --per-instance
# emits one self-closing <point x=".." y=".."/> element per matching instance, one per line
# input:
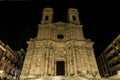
<point x="60" y="51"/>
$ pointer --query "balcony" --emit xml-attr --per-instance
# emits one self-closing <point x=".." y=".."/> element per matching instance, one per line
<point x="110" y="53"/>
<point x="112" y="56"/>
<point x="115" y="66"/>
<point x="114" y="59"/>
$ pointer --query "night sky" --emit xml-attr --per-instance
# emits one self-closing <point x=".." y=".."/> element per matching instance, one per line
<point x="19" y="20"/>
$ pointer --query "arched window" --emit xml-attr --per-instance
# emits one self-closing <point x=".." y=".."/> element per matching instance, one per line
<point x="46" y="18"/>
<point x="74" y="18"/>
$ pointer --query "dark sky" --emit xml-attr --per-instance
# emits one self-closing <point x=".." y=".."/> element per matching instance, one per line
<point x="18" y="20"/>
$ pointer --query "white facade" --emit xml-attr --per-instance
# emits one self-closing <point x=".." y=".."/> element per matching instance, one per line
<point x="60" y="50"/>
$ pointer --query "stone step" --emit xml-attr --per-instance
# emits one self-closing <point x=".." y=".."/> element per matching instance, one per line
<point x="61" y="78"/>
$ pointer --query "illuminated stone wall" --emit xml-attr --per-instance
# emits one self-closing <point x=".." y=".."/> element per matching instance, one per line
<point x="60" y="42"/>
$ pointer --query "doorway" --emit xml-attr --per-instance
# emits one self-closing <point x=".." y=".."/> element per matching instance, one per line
<point x="60" y="68"/>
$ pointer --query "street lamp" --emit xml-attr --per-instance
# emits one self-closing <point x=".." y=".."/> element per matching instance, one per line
<point x="2" y="73"/>
<point x="106" y="75"/>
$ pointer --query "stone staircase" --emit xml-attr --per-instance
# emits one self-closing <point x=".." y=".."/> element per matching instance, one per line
<point x="62" y="78"/>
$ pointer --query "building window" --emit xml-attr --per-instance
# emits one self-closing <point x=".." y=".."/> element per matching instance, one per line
<point x="60" y="36"/>
<point x="5" y="68"/>
<point x="6" y="58"/>
<point x="74" y="18"/>
<point x="1" y="53"/>
<point x="10" y="71"/>
<point x="0" y="64"/>
<point x="46" y="18"/>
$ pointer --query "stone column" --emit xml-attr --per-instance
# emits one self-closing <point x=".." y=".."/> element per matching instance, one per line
<point x="52" y="63"/>
<point x="87" y="56"/>
<point x="74" y="61"/>
<point x="68" y="62"/>
<point x="27" y="63"/>
<point x="49" y="63"/>
<point x="86" y="62"/>
<point x="46" y="60"/>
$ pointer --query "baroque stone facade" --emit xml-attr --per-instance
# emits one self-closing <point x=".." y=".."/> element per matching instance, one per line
<point x="60" y="51"/>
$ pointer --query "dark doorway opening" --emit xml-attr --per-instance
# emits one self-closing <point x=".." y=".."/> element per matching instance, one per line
<point x="60" y="68"/>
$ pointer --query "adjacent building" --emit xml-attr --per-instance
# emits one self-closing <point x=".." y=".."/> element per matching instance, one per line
<point x="109" y="60"/>
<point x="60" y="51"/>
<point x="10" y="61"/>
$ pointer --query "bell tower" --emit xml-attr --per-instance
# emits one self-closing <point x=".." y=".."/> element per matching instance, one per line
<point x="73" y="16"/>
<point x="47" y="16"/>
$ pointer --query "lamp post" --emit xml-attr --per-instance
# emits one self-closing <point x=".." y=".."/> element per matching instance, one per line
<point x="2" y="74"/>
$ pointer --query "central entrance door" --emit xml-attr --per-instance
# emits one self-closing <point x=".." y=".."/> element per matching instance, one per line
<point x="60" y="68"/>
